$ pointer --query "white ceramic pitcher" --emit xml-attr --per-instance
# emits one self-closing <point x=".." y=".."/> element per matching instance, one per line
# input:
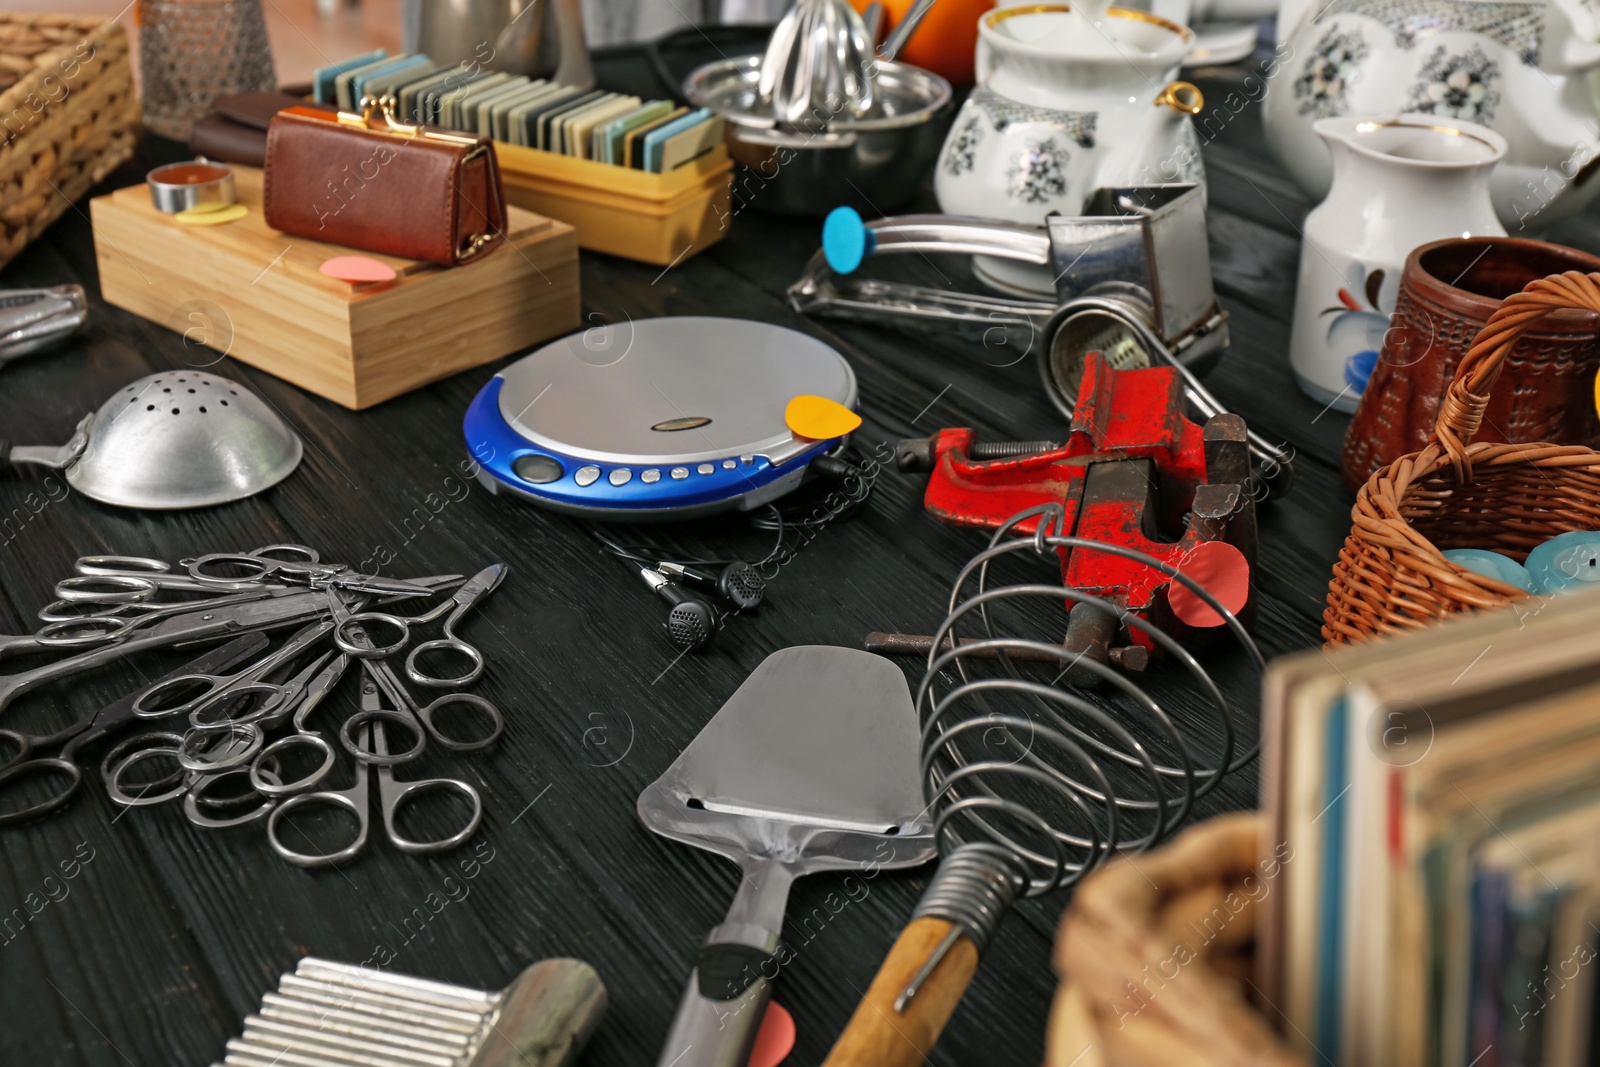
<point x="1397" y="184"/>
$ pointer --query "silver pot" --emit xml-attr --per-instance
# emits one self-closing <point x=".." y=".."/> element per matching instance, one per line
<point x="875" y="163"/>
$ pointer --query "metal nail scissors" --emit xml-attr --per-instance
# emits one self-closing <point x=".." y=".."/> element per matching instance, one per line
<point x="419" y="720"/>
<point x="84" y="624"/>
<point x="134" y="579"/>
<point x="116" y="716"/>
<point x="207" y="697"/>
<point x="226" y="749"/>
<point x="357" y="801"/>
<point x="367" y="623"/>
<point x="303" y="568"/>
<point x="205" y="622"/>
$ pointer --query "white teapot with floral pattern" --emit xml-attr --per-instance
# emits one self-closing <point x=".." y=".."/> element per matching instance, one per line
<point x="1519" y="68"/>
<point x="1072" y="100"/>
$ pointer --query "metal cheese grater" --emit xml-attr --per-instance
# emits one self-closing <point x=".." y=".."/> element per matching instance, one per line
<point x="329" y="1014"/>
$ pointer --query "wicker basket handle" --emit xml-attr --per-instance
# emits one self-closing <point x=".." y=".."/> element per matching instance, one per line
<point x="1467" y="396"/>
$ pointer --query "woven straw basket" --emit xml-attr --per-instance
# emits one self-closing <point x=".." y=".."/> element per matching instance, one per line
<point x="1392" y="575"/>
<point x="68" y="117"/>
<point x="1154" y="956"/>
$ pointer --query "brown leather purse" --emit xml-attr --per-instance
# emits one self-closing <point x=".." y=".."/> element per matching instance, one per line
<point x="369" y="182"/>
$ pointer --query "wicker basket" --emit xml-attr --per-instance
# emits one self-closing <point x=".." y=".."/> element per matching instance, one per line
<point x="70" y="117"/>
<point x="1392" y="576"/>
<point x="1154" y="958"/>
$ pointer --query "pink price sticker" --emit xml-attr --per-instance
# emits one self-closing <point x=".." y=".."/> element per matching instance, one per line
<point x="357" y="270"/>
<point x="775" y="1039"/>
<point x="1221" y="570"/>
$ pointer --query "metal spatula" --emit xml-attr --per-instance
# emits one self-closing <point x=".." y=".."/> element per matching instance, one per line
<point x="810" y="766"/>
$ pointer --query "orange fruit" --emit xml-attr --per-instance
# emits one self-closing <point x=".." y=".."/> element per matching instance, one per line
<point x="947" y="40"/>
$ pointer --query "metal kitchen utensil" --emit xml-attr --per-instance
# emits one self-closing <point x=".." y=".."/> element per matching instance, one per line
<point x="1133" y="282"/>
<point x="877" y="161"/>
<point x="175" y="439"/>
<point x="817" y="64"/>
<point x="1032" y="780"/>
<point x="328" y="1013"/>
<point x="810" y="766"/>
<point x="820" y="63"/>
<point x="33" y="319"/>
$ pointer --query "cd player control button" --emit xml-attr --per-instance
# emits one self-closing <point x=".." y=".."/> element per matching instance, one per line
<point x="705" y="468"/>
<point x="747" y="459"/>
<point x="729" y="464"/>
<point x="537" y="469"/>
<point x="680" y="473"/>
<point x="650" y="477"/>
<point x="587" y="475"/>
<point x="620" y="476"/>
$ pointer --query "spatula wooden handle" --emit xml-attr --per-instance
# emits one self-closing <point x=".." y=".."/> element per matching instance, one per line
<point x="880" y="1036"/>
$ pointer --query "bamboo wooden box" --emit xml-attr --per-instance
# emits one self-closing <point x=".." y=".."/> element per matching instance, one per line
<point x="654" y="218"/>
<point x="257" y="295"/>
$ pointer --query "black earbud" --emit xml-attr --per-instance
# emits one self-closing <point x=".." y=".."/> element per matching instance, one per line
<point x="692" y="623"/>
<point x="739" y="584"/>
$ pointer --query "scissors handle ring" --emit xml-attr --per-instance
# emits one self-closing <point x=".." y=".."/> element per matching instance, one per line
<point x="305" y="800"/>
<point x="78" y="610"/>
<point x="202" y="763"/>
<point x="106" y="589"/>
<point x="497" y="721"/>
<point x="259" y="781"/>
<point x="148" y="704"/>
<point x="117" y="763"/>
<point x="227" y="694"/>
<point x="442" y="644"/>
<point x="119" y="565"/>
<point x="392" y="794"/>
<point x="83" y="631"/>
<point x="301" y="554"/>
<point x="362" y="644"/>
<point x="34" y="768"/>
<point x="191" y="803"/>
<point x="361" y="718"/>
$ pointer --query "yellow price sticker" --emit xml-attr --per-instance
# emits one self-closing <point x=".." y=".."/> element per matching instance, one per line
<point x="212" y="214"/>
<point x="818" y="418"/>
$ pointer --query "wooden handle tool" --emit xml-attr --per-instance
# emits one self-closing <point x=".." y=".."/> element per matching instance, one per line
<point x="914" y="994"/>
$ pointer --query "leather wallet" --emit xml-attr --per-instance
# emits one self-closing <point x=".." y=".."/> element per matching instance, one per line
<point x="236" y="129"/>
<point x="369" y="182"/>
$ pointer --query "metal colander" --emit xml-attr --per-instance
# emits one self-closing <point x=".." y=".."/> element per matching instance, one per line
<point x="176" y="439"/>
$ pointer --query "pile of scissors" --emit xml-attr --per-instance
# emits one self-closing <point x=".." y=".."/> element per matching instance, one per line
<point x="225" y="764"/>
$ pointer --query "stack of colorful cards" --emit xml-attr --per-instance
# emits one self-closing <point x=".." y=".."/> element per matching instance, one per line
<point x="654" y="136"/>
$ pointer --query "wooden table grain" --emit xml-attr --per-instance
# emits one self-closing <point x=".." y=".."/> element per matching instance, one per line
<point x="166" y="936"/>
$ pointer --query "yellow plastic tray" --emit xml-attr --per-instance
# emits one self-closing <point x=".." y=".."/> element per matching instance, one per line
<point x="654" y="218"/>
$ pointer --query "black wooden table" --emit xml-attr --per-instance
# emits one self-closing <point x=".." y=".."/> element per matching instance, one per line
<point x="167" y="935"/>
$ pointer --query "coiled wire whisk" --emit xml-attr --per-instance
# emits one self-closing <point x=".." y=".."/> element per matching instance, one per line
<point x="1033" y="782"/>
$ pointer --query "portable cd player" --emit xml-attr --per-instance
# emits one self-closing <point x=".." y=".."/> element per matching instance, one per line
<point x="658" y="418"/>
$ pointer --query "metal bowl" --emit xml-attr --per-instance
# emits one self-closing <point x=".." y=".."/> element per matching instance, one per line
<point x="875" y="163"/>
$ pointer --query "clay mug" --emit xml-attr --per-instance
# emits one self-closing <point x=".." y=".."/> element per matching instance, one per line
<point x="1448" y="290"/>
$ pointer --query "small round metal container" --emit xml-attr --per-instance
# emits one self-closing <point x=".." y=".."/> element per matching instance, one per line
<point x="180" y="186"/>
<point x="875" y="163"/>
